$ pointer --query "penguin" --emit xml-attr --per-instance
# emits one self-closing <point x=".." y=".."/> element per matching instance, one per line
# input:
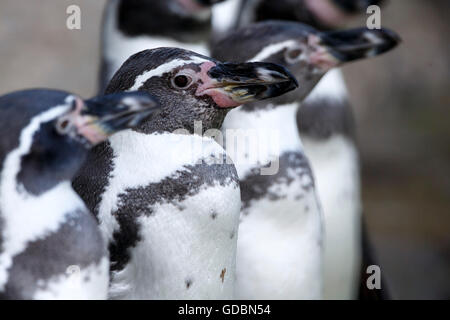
<point x="280" y="242"/>
<point x="50" y="244"/>
<point x="130" y="26"/>
<point x="327" y="128"/>
<point x="166" y="195"/>
<point x="321" y="14"/>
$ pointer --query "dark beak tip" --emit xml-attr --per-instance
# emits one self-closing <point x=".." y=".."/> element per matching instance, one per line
<point x="392" y="36"/>
<point x="295" y="83"/>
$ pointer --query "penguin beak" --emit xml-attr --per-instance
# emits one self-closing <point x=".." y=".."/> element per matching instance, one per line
<point x="334" y="48"/>
<point x="103" y="116"/>
<point x="234" y="84"/>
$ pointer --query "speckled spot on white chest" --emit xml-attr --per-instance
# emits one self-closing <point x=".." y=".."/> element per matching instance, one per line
<point x="118" y="47"/>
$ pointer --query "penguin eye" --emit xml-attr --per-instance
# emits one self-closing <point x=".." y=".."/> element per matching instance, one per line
<point x="293" y="55"/>
<point x="63" y="125"/>
<point x="182" y="81"/>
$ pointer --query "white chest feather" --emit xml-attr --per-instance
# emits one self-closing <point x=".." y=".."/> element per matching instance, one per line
<point x="187" y="244"/>
<point x="256" y="138"/>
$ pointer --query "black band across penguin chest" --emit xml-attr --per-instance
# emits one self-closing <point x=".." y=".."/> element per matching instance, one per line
<point x="174" y="190"/>
<point x="76" y="243"/>
<point x="293" y="166"/>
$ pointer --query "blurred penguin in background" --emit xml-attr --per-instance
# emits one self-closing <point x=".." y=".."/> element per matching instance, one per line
<point x="131" y="26"/>
<point x="280" y="240"/>
<point x="50" y="244"/>
<point x="327" y="129"/>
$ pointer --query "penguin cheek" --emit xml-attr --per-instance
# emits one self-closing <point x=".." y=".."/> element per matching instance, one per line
<point x="221" y="98"/>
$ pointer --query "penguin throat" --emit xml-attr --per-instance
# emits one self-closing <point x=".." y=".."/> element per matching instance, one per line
<point x="197" y="121"/>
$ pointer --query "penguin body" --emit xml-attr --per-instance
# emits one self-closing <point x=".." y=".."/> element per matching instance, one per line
<point x="326" y="126"/>
<point x="169" y="201"/>
<point x="309" y="54"/>
<point x="50" y="247"/>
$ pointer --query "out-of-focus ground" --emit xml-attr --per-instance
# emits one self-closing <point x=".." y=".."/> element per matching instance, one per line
<point x="402" y="105"/>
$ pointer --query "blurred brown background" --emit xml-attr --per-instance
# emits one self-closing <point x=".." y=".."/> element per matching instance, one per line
<point x="402" y="104"/>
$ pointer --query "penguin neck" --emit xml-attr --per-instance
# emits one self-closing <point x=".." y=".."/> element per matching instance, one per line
<point x="331" y="86"/>
<point x="326" y="112"/>
<point x="169" y="151"/>
<point x="277" y="120"/>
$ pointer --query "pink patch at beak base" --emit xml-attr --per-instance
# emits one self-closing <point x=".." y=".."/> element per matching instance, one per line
<point x="210" y="87"/>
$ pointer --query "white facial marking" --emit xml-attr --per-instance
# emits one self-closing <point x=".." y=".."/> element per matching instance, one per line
<point x="162" y="69"/>
<point x="272" y="49"/>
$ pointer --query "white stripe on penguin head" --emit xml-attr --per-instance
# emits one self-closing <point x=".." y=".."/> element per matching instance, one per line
<point x="162" y="69"/>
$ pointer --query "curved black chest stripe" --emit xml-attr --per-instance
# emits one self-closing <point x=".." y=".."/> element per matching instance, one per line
<point x="174" y="189"/>
<point x="77" y="242"/>
<point x="293" y="165"/>
<point x="92" y="180"/>
<point x="324" y="117"/>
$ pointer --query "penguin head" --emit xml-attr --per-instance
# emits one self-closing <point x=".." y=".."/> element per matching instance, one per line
<point x="191" y="87"/>
<point x="46" y="134"/>
<point x="306" y="52"/>
<point x="181" y="19"/>
<point x="322" y="14"/>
